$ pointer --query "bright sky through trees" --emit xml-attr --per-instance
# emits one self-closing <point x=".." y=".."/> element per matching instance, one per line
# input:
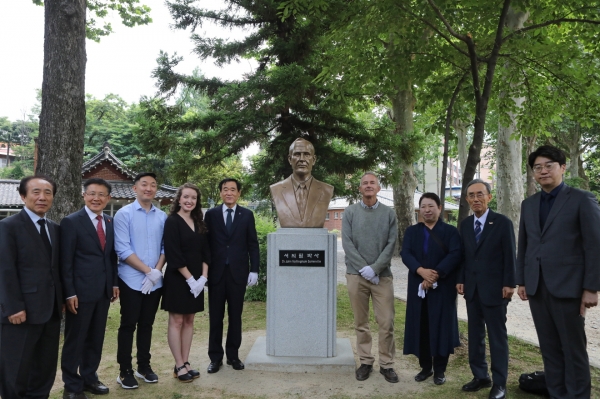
<point x="121" y="63"/>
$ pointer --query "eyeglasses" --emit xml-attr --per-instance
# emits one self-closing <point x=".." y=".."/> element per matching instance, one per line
<point x="96" y="195"/>
<point x="479" y="195"/>
<point x="547" y="166"/>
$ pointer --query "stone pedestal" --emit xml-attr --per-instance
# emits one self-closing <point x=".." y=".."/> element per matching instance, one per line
<point x="301" y="306"/>
<point x="301" y="293"/>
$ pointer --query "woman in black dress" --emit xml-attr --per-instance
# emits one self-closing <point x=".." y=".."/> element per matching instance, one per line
<point x="188" y="256"/>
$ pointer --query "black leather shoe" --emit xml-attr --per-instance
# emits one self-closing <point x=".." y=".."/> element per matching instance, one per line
<point x="497" y="392"/>
<point x="389" y="375"/>
<point x="213" y="367"/>
<point x="236" y="364"/>
<point x="476" y="384"/>
<point x="439" y="378"/>
<point x="423" y="375"/>
<point x="74" y="395"/>
<point x="193" y="373"/>
<point x="97" y="388"/>
<point x="362" y="373"/>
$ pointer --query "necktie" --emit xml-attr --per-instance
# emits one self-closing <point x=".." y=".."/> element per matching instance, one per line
<point x="477" y="231"/>
<point x="302" y="199"/>
<point x="44" y="235"/>
<point x="229" y="222"/>
<point x="100" y="231"/>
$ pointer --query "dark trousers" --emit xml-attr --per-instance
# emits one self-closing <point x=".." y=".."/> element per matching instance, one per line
<point x="426" y="361"/>
<point x="494" y="318"/>
<point x="28" y="358"/>
<point x="82" y="349"/>
<point x="226" y="290"/>
<point x="137" y="311"/>
<point x="561" y="333"/>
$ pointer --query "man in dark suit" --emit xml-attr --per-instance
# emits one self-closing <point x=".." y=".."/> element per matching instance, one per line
<point x="558" y="271"/>
<point x="30" y="294"/>
<point x="89" y="276"/>
<point x="487" y="280"/>
<point x="235" y="260"/>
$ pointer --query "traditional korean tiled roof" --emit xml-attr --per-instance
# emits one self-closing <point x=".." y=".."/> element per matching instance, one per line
<point x="107" y="155"/>
<point x="9" y="194"/>
<point x="124" y="190"/>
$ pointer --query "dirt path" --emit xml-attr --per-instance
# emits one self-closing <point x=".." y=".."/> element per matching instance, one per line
<point x="519" y="322"/>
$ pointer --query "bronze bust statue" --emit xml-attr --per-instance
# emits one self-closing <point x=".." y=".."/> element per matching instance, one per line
<point x="301" y="200"/>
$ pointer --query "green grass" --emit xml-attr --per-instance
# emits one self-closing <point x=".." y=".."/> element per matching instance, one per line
<point x="524" y="357"/>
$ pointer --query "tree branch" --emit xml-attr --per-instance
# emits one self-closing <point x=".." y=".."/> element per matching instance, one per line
<point x="547" y="23"/>
<point x="446" y="23"/>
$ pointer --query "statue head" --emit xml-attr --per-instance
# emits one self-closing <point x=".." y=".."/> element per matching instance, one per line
<point x="302" y="158"/>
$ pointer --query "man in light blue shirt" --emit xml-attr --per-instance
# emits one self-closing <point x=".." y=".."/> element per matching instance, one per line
<point x="139" y="246"/>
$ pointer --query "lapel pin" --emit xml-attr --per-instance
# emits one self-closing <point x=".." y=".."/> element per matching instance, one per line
<point x="490" y="222"/>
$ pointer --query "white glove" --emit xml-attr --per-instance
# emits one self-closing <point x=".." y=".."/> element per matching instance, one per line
<point x="147" y="286"/>
<point x="375" y="280"/>
<point x="252" y="279"/>
<point x="367" y="272"/>
<point x="422" y="292"/>
<point x="154" y="276"/>
<point x="200" y="284"/>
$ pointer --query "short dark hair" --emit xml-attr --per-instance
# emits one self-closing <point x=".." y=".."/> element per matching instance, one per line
<point x="144" y="174"/>
<point x="227" y="180"/>
<point x="432" y="196"/>
<point x="550" y="152"/>
<point x="98" y="181"/>
<point x="24" y="181"/>
<point x="487" y="185"/>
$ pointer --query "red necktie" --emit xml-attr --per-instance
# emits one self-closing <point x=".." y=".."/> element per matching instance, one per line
<point x="100" y="232"/>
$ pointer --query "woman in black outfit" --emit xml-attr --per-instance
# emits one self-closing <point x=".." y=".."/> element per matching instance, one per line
<point x="188" y="256"/>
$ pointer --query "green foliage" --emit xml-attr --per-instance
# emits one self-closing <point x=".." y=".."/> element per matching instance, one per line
<point x="130" y="13"/>
<point x="272" y="106"/>
<point x="264" y="226"/>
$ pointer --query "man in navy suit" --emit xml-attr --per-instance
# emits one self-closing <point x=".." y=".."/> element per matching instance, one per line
<point x="30" y="294"/>
<point x="235" y="260"/>
<point x="487" y="280"/>
<point x="89" y="277"/>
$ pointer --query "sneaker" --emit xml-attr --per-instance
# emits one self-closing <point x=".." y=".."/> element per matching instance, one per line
<point x="127" y="380"/>
<point x="147" y="374"/>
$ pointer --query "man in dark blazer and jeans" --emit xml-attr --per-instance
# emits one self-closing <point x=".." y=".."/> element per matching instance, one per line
<point x="30" y="294"/>
<point x="558" y="271"/>
<point x="89" y="275"/>
<point x="487" y="280"/>
<point x="235" y="260"/>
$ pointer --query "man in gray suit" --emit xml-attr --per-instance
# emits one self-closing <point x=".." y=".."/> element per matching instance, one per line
<point x="558" y="271"/>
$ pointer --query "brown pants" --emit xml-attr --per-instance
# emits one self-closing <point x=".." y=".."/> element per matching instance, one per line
<point x="360" y="290"/>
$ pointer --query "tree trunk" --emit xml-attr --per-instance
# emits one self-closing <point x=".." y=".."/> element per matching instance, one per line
<point x="509" y="151"/>
<point x="529" y="148"/>
<point x="460" y="128"/>
<point x="404" y="189"/>
<point x="574" y="151"/>
<point x="62" y="120"/>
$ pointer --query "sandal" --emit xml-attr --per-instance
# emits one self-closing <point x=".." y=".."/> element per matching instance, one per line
<point x="193" y="373"/>
<point x="183" y="377"/>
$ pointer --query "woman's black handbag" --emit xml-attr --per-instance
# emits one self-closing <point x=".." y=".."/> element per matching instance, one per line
<point x="533" y="383"/>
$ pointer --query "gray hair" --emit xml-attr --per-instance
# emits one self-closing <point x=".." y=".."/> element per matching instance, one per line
<point x="486" y="184"/>
<point x="370" y="173"/>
